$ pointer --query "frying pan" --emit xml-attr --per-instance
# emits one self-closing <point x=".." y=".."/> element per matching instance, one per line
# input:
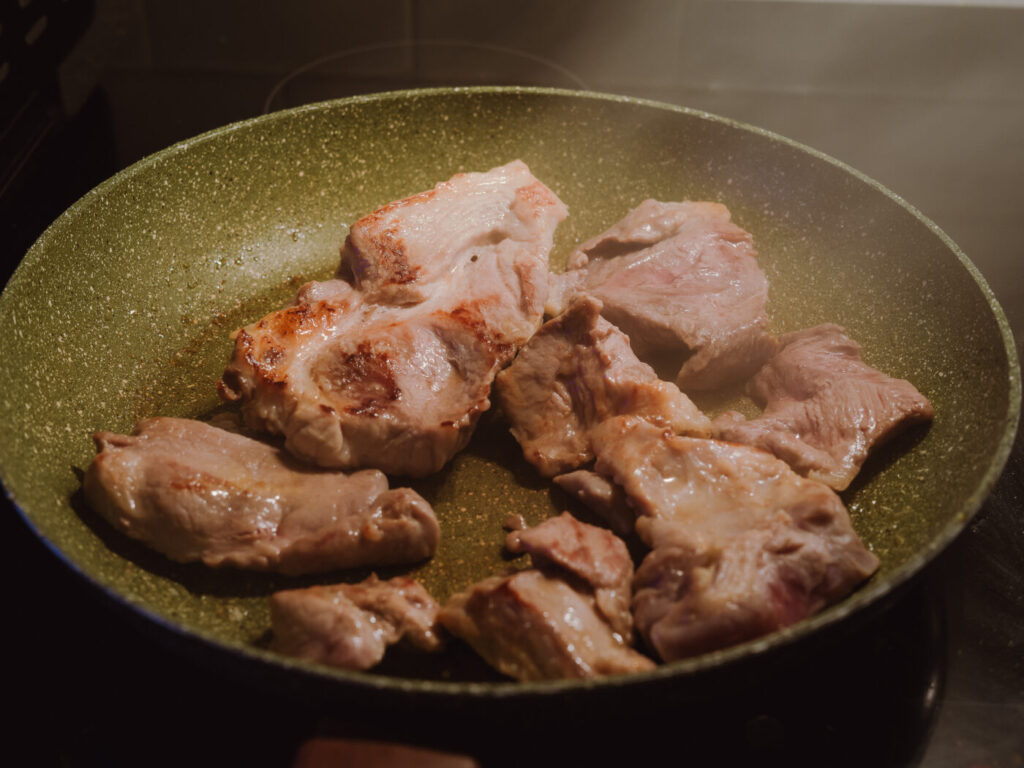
<point x="124" y="306"/>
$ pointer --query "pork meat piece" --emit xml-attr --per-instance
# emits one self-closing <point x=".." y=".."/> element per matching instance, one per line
<point x="567" y="617"/>
<point x="601" y="496"/>
<point x="741" y="544"/>
<point x="353" y="381"/>
<point x="596" y="556"/>
<point x="352" y="625"/>
<point x="496" y="225"/>
<point x="678" y="278"/>
<point x="354" y="385"/>
<point x="577" y="371"/>
<point x="824" y="407"/>
<point x="194" y="492"/>
<point x="531" y="626"/>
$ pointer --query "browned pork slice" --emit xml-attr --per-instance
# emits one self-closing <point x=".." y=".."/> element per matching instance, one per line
<point x="577" y="371"/>
<point x="352" y="382"/>
<point x="678" y="278"/>
<point x="496" y="224"/>
<point x="565" y="618"/>
<point x="596" y="556"/>
<point x="355" y="385"/>
<point x="194" y="492"/>
<point x="352" y="625"/>
<point x="741" y="544"/>
<point x="824" y="407"/>
<point x="530" y="626"/>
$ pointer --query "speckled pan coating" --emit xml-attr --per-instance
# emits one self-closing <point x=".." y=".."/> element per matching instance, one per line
<point x="123" y="308"/>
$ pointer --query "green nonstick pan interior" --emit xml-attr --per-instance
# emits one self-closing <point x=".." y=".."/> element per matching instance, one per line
<point x="124" y="307"/>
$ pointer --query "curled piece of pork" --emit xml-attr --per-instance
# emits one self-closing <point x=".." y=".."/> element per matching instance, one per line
<point x="352" y="625"/>
<point x="396" y="375"/>
<point x="194" y="492"/>
<point x="565" y="618"/>
<point x="824" y="407"/>
<point x="577" y="371"/>
<point x="741" y="544"/>
<point x="678" y="278"/>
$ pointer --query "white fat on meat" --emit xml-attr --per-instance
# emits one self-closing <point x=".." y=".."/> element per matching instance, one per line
<point x="394" y="371"/>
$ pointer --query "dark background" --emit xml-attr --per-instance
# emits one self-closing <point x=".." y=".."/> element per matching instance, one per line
<point x="926" y="98"/>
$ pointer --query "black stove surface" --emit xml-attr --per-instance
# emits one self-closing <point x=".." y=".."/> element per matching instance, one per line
<point x="935" y="677"/>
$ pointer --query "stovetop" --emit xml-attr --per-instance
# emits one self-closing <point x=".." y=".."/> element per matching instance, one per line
<point x="933" y="678"/>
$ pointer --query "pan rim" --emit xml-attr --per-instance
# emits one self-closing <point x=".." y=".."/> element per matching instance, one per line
<point x="871" y="593"/>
